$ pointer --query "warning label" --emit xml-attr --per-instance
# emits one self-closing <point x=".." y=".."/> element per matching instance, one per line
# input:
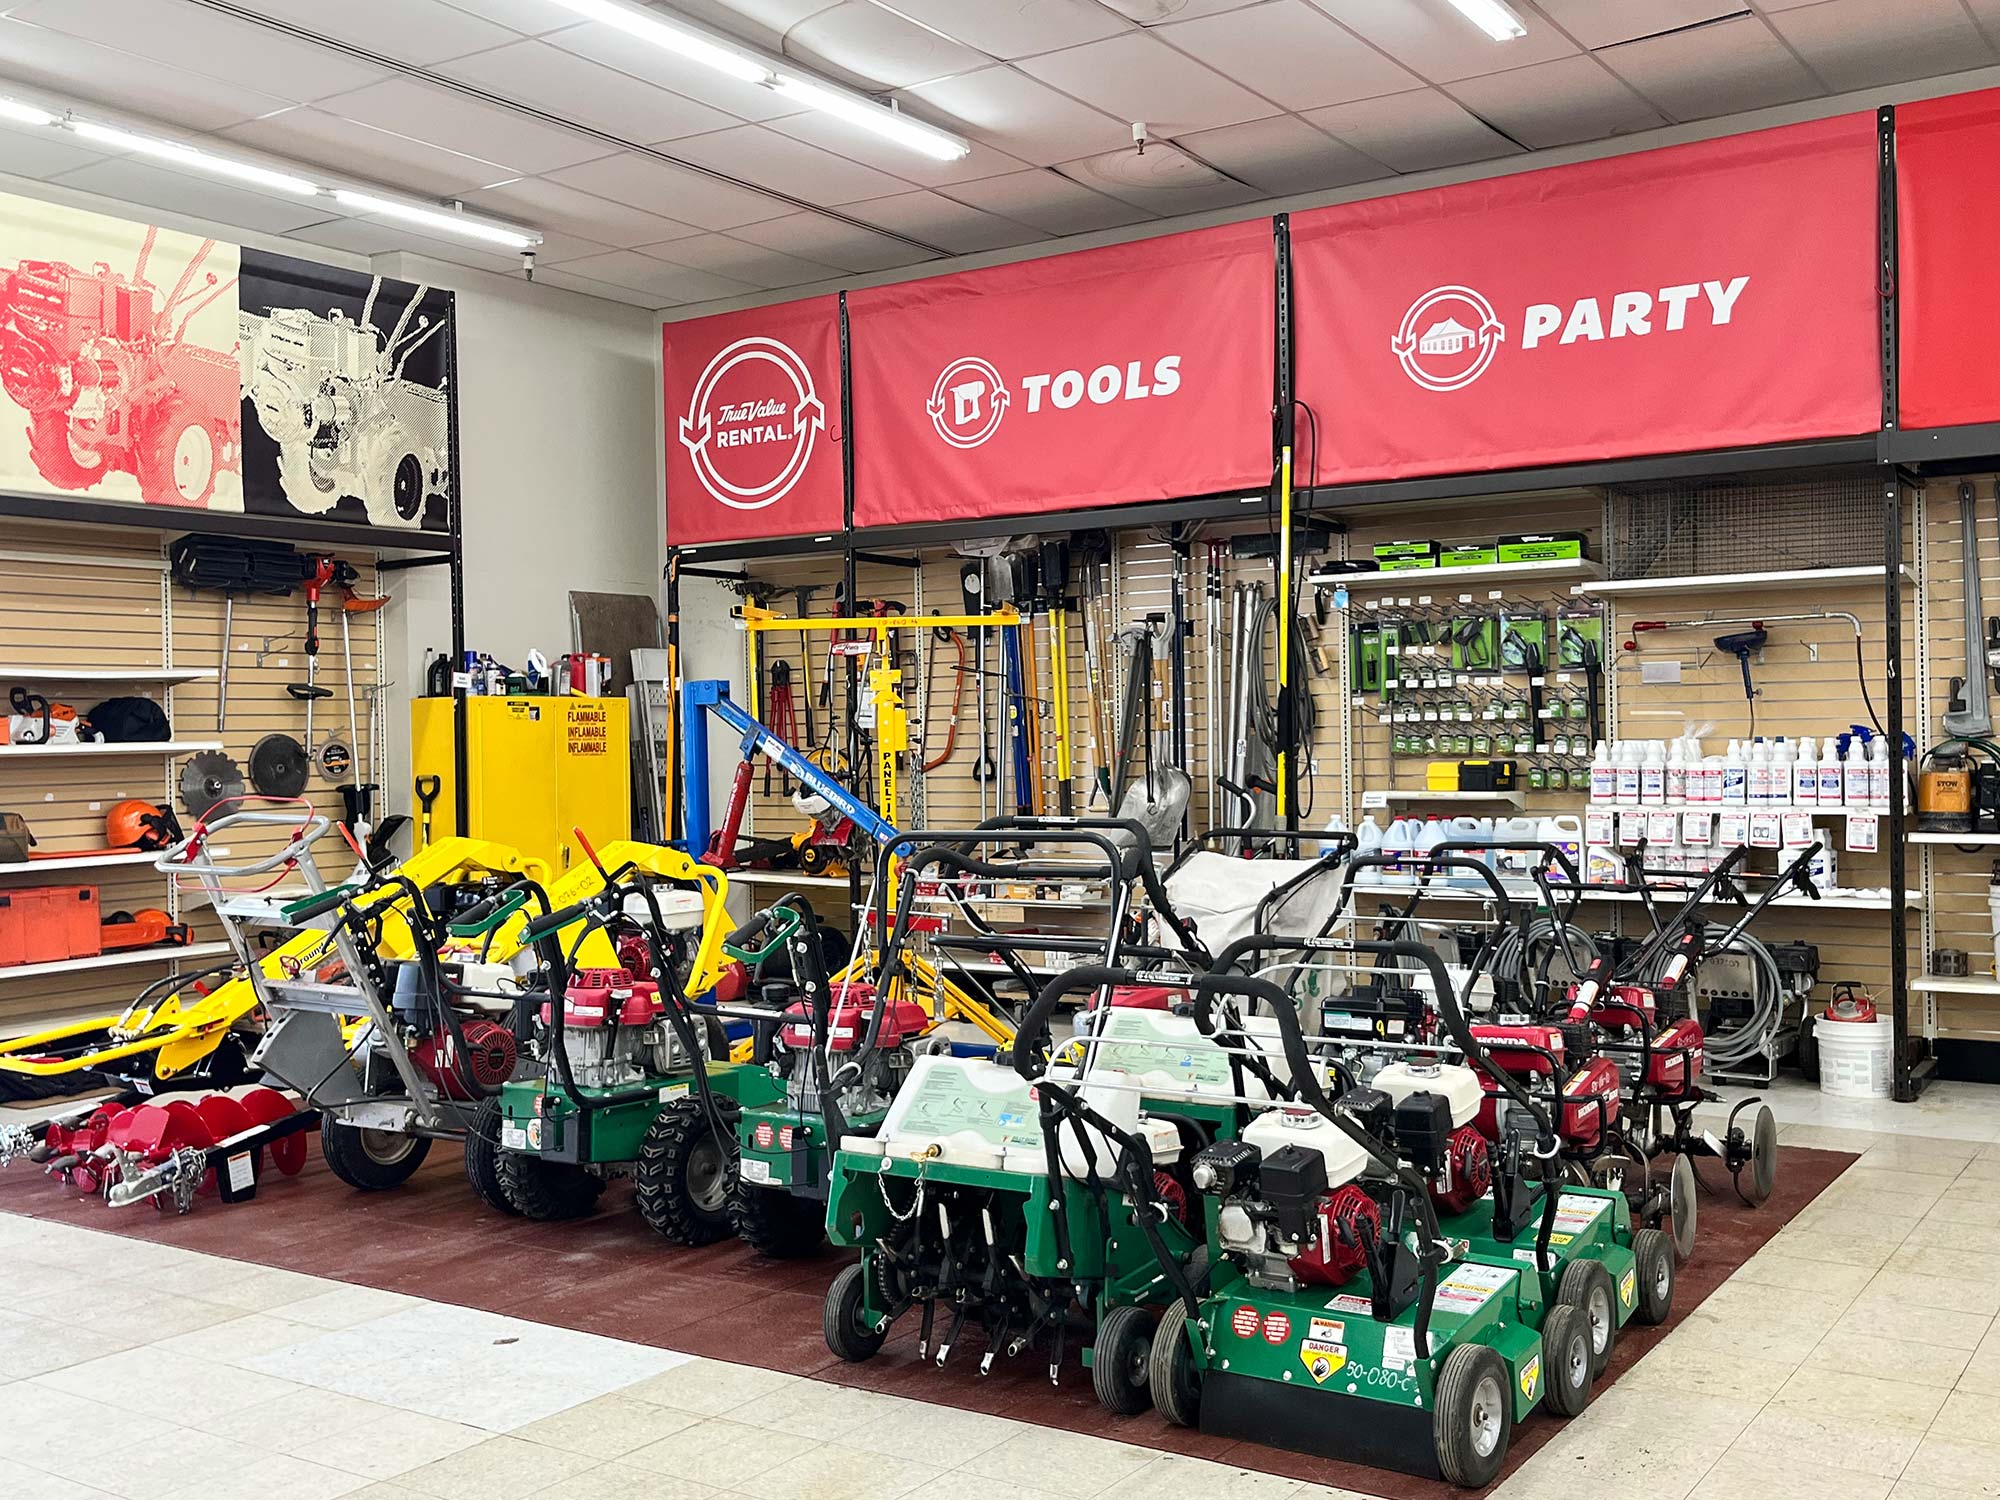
<point x="1347" y="1302"/>
<point x="587" y="729"/>
<point x="1277" y="1328"/>
<point x="1575" y="1213"/>
<point x="1628" y="1287"/>
<point x="1399" y="1347"/>
<point x="1468" y="1287"/>
<point x="1531" y="1375"/>
<point x="1244" y="1322"/>
<point x="1323" y="1351"/>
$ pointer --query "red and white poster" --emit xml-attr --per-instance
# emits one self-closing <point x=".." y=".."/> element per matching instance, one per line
<point x="1716" y="295"/>
<point x="1948" y="230"/>
<point x="753" y="424"/>
<point x="1135" y="372"/>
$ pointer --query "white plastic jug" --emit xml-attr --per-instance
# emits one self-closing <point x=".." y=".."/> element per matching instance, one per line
<point x="1566" y="833"/>
<point x="1465" y="829"/>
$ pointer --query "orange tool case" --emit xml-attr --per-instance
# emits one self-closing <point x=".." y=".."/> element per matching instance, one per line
<point x="47" y="923"/>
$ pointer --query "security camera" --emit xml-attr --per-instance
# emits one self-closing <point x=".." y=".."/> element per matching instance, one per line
<point x="528" y="265"/>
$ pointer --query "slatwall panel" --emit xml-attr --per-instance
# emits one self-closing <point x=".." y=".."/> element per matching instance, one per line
<point x="78" y="600"/>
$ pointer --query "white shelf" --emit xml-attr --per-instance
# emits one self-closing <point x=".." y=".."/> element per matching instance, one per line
<point x="1395" y="581"/>
<point x="1970" y="840"/>
<point x="114" y="960"/>
<point x="787" y="877"/>
<point x="78" y="862"/>
<point x="132" y="747"/>
<point x="168" y="675"/>
<point x="1972" y="984"/>
<point x="1511" y="799"/>
<point x="1665" y="898"/>
<point x="1783" y="579"/>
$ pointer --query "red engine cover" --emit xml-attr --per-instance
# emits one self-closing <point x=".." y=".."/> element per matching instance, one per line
<point x="1676" y="1058"/>
<point x="1590" y="1103"/>
<point x="486" y="1062"/>
<point x="1144" y="997"/>
<point x="1524" y="1058"/>
<point x="848" y="1023"/>
<point x="1467" y="1173"/>
<point x="1348" y="1219"/>
<point x="1623" y="1005"/>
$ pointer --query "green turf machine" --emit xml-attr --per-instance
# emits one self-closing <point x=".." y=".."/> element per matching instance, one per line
<point x="1345" y="1314"/>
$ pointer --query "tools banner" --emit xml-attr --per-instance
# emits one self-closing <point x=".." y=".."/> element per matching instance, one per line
<point x="1716" y="295"/>
<point x="753" y="424"/>
<point x="1948" y="212"/>
<point x="1135" y="372"/>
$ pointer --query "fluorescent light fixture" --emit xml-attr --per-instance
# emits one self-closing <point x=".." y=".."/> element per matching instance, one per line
<point x="682" y="41"/>
<point x="1492" y="17"/>
<point x="444" y="221"/>
<point x="870" y="116"/>
<point x="17" y="113"/>
<point x="193" y="159"/>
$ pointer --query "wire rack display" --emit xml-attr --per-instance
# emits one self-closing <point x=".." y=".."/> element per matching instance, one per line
<point x="1667" y="529"/>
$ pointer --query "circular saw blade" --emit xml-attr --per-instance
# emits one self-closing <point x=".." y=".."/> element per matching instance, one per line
<point x="207" y="778"/>
<point x="279" y="766"/>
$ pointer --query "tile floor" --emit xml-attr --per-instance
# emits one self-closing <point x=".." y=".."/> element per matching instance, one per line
<point x="1855" y="1356"/>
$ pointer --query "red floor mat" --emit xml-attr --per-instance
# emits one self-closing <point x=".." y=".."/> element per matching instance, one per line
<point x="608" y="1274"/>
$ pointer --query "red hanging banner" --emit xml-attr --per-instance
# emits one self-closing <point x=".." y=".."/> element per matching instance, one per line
<point x="753" y="424"/>
<point x="1948" y="224"/>
<point x="1135" y="372"/>
<point x="1716" y="295"/>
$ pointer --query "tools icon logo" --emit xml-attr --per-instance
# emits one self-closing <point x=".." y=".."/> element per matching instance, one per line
<point x="967" y="401"/>
<point x="752" y="422"/>
<point x="1448" y="338"/>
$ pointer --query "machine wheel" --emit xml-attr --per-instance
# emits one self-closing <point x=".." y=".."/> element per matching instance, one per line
<point x="1171" y="1375"/>
<point x="847" y="1332"/>
<point x="1808" y="1048"/>
<point x="547" y="1191"/>
<point x="371" y="1160"/>
<point x="1683" y="1212"/>
<point x="775" y="1222"/>
<point x="57" y="458"/>
<point x="1586" y="1286"/>
<point x="1568" y="1364"/>
<point x="1762" y="1165"/>
<point x="1655" y="1255"/>
<point x="1121" y="1359"/>
<point x="482" y="1158"/>
<point x="1472" y="1423"/>
<point x="683" y="1176"/>
<point x="178" y="458"/>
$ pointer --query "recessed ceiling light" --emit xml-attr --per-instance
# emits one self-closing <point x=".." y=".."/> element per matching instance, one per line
<point x="870" y="116"/>
<point x="444" y="221"/>
<point x="193" y="159"/>
<point x="649" y="26"/>
<point x="24" y="114"/>
<point x="1493" y="17"/>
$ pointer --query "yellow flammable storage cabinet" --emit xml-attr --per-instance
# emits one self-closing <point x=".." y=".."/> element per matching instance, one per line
<point x="538" y="768"/>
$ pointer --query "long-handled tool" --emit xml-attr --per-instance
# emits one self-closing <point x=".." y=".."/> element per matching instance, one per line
<point x="1969" y="714"/>
<point x="803" y="593"/>
<point x="1055" y="582"/>
<point x="944" y="633"/>
<point x="427" y="789"/>
<point x="309" y="691"/>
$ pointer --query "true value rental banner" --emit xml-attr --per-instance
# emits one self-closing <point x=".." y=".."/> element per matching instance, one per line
<point x="1948" y="212"/>
<point x="1715" y="295"/>
<point x="1136" y="372"/>
<point x="753" y="424"/>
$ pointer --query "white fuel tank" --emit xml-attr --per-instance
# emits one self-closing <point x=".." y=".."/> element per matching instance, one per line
<point x="1455" y="1081"/>
<point x="1292" y="1125"/>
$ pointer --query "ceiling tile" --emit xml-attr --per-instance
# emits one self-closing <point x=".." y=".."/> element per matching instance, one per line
<point x="1015" y="28"/>
<point x="206" y="42"/>
<point x="1137" y="77"/>
<point x="528" y="17"/>
<point x="1414" y="132"/>
<point x="1292" y="53"/>
<point x="761" y="22"/>
<point x="1557" y="103"/>
<point x="940" y="221"/>
<point x="1050" y="201"/>
<point x="686" y="196"/>
<point x="1858" y="44"/>
<point x="417" y="31"/>
<point x="875" y="48"/>
<point x="575" y="88"/>
<point x="373" y="237"/>
<point x="1596" y="24"/>
<point x="156" y="186"/>
<point x="537" y="201"/>
<point x="428" y="112"/>
<point x="33" y="151"/>
<point x="1715" y="70"/>
<point x="1433" y="40"/>
<point x="1153" y="12"/>
<point x="1165" y="180"/>
<point x="312" y="137"/>
<point x="739" y="261"/>
<point x="74" y="69"/>
<point x="671" y="284"/>
<point x="614" y="49"/>
<point x="1283" y="155"/>
<point x="816" y="237"/>
<point x="851" y="141"/>
<point x="778" y="162"/>
<point x="565" y="282"/>
<point x="1015" y="114"/>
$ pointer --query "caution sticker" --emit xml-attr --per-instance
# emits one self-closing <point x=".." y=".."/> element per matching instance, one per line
<point x="1469" y="1286"/>
<point x="1628" y="1286"/>
<point x="1347" y="1302"/>
<point x="1323" y="1350"/>
<point x="1277" y="1328"/>
<point x="1244" y="1321"/>
<point x="1531" y="1376"/>
<point x="1576" y="1213"/>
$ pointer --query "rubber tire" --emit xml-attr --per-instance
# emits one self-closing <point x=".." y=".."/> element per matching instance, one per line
<point x="1121" y="1361"/>
<point x="775" y="1221"/>
<point x="1171" y="1375"/>
<point x="349" y="1160"/>
<point x="840" y="1318"/>
<point x="548" y="1192"/>
<point x="482" y="1158"/>
<point x="1654" y="1251"/>
<point x="661" y="1176"/>
<point x="1807" y="1055"/>
<point x="1579" y="1278"/>
<point x="1568" y="1363"/>
<point x="55" y="460"/>
<point x="1460" y="1462"/>
<point x="159" y="482"/>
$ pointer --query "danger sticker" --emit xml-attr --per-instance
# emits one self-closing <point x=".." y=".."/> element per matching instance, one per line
<point x="1347" y="1302"/>
<point x="1244" y="1320"/>
<point x="1322" y="1360"/>
<point x="1531" y="1376"/>
<point x="1277" y="1328"/>
<point x="1628" y="1287"/>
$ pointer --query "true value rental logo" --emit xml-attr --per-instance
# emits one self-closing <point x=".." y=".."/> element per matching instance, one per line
<point x="970" y="397"/>
<point x="1451" y="334"/>
<point x="751" y="423"/>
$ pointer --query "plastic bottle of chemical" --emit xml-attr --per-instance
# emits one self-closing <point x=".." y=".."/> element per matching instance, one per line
<point x="1805" y="775"/>
<point x="1330" y="835"/>
<point x="1878" y="776"/>
<point x="1784" y="762"/>
<point x="1677" y="774"/>
<point x="1735" y="776"/>
<point x="1653" y="775"/>
<point x="1566" y="833"/>
<point x="1628" y="774"/>
<point x="1368" y="837"/>
<point x="1428" y="835"/>
<point x="1603" y="775"/>
<point x="1829" y="775"/>
<point x="1397" y="845"/>
<point x="1756" y="774"/>
<point x="1704" y="776"/>
<point x="1854" y="775"/>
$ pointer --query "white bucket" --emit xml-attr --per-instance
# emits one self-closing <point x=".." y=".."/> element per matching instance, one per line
<point x="1856" y="1058"/>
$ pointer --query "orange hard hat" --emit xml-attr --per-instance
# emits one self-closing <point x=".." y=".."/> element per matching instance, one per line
<point x="139" y="824"/>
